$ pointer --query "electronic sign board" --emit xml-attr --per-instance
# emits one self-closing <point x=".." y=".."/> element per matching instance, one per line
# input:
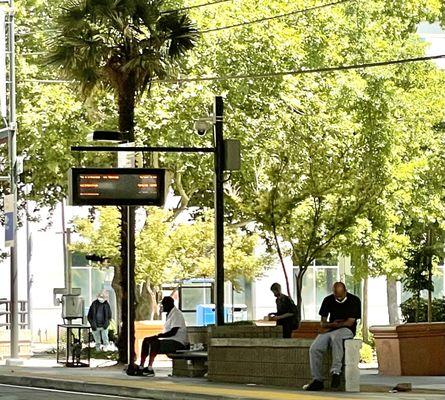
<point x="117" y="186"/>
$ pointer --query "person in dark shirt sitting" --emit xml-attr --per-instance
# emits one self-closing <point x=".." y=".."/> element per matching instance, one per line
<point x="286" y="314"/>
<point x="343" y="310"/>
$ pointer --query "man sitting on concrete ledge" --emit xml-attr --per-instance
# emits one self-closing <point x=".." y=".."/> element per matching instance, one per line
<point x="173" y="338"/>
<point x="343" y="309"/>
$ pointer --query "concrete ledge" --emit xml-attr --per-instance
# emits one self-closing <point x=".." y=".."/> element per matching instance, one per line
<point x="235" y="342"/>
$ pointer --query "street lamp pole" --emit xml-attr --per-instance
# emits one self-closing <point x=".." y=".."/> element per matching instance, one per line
<point x="218" y="112"/>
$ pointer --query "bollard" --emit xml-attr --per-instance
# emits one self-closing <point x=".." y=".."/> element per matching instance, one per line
<point x="352" y="359"/>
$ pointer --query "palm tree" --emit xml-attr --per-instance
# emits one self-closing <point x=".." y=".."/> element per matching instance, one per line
<point x="120" y="46"/>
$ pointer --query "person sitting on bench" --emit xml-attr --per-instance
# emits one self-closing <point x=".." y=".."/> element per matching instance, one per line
<point x="343" y="309"/>
<point x="173" y="338"/>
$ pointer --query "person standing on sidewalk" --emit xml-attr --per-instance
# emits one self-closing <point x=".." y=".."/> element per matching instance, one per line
<point x="286" y="314"/>
<point x="99" y="317"/>
<point x="343" y="310"/>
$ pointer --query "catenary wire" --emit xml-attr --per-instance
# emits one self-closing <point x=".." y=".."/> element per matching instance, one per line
<point x="266" y="75"/>
<point x="288" y="14"/>
<point x="305" y="71"/>
<point x="186" y="8"/>
<point x="259" y="20"/>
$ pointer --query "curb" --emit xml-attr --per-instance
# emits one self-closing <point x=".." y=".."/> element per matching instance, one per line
<point x="104" y="389"/>
<point x="154" y="393"/>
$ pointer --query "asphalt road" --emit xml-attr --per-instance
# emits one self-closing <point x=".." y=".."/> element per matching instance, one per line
<point x="8" y="392"/>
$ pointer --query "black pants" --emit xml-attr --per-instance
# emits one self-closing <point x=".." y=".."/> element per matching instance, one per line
<point x="287" y="330"/>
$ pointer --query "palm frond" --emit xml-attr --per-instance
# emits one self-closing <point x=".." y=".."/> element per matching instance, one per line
<point x="180" y="33"/>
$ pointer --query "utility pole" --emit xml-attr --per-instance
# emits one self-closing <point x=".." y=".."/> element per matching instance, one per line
<point x="12" y="149"/>
<point x="218" y="112"/>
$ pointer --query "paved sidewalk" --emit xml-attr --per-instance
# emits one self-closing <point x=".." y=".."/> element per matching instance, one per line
<point x="111" y="380"/>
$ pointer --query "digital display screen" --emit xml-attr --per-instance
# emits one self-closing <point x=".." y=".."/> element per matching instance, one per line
<point x="117" y="186"/>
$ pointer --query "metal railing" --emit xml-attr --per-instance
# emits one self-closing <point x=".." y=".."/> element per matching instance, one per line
<point x="5" y="314"/>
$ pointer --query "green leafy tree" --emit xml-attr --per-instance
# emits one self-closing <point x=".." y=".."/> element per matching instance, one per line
<point x="120" y="46"/>
<point x="169" y="252"/>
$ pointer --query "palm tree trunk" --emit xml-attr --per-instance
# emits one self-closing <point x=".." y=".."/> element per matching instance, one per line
<point x="126" y="104"/>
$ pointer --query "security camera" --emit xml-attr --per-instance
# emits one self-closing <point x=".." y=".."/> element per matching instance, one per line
<point x="202" y="125"/>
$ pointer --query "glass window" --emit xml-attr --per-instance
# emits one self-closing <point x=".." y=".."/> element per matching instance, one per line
<point x="308" y="295"/>
<point x="326" y="277"/>
<point x="80" y="279"/>
<point x="438" y="281"/>
<point x="78" y="259"/>
<point x="192" y="296"/>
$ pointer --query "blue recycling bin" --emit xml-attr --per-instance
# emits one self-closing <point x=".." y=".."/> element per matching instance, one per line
<point x="205" y="314"/>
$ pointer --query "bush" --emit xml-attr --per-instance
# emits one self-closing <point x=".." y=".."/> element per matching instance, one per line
<point x="409" y="307"/>
<point x="366" y="354"/>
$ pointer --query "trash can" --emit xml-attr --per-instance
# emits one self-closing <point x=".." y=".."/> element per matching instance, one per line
<point x="236" y="312"/>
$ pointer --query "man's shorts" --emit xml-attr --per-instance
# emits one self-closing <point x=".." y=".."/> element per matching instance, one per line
<point x="170" y="346"/>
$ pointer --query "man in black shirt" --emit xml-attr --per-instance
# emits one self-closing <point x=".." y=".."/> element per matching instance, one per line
<point x="343" y="310"/>
<point x="286" y="314"/>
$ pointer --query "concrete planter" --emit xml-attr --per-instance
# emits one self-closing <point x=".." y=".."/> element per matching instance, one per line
<point x="411" y="349"/>
<point x="307" y="330"/>
<point x="244" y="331"/>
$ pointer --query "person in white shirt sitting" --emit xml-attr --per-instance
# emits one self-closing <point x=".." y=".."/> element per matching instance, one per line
<point x="173" y="338"/>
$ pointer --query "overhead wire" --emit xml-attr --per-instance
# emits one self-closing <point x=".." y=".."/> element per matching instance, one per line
<point x="277" y="16"/>
<point x="186" y="8"/>
<point x="301" y="71"/>
<point x="258" y="20"/>
<point x="306" y="71"/>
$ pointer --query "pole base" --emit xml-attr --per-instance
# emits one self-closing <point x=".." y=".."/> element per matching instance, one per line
<point x="13" y="362"/>
<point x="133" y="370"/>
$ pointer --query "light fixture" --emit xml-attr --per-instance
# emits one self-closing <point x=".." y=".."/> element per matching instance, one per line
<point x="109" y="136"/>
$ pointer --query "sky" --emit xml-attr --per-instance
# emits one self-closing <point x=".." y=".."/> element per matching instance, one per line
<point x="435" y="35"/>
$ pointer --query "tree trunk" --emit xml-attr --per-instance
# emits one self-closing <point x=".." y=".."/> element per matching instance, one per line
<point x="299" y="279"/>
<point x="430" y="277"/>
<point x="391" y="296"/>
<point x="126" y="104"/>
<point x="365" y="332"/>
<point x="283" y="265"/>
<point x="146" y="302"/>
<point x="116" y="285"/>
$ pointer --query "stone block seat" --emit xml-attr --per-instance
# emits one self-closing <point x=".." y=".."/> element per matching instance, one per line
<point x="276" y="362"/>
<point x="189" y="363"/>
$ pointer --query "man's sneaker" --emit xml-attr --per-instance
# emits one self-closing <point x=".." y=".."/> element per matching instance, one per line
<point x="147" y="371"/>
<point x="335" y="381"/>
<point x="314" y="386"/>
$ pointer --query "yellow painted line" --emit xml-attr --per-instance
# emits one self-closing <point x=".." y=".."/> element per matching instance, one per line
<point x="250" y="392"/>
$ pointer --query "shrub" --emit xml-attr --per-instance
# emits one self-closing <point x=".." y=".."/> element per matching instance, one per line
<point x="366" y="354"/>
<point x="409" y="307"/>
